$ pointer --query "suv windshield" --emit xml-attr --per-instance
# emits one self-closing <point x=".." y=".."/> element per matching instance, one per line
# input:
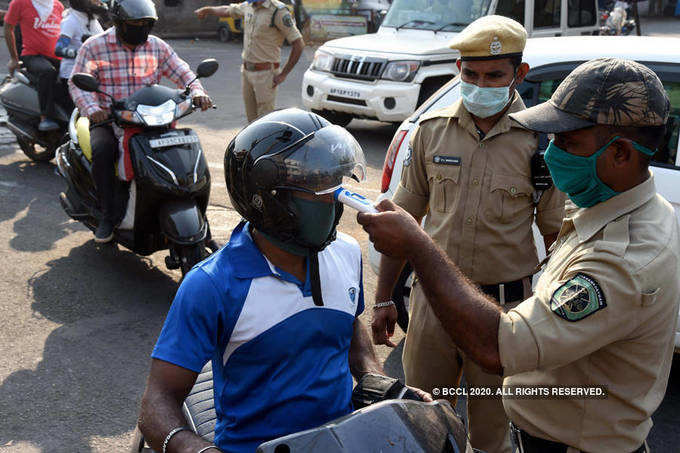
<point x="444" y="15"/>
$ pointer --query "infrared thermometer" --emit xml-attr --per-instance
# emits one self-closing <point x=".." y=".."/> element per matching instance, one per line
<point x="354" y="200"/>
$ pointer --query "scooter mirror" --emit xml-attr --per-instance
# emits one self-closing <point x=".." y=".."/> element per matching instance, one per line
<point x="207" y="68"/>
<point x="85" y="81"/>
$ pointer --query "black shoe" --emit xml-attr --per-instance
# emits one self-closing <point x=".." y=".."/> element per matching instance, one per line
<point x="47" y="125"/>
<point x="104" y="232"/>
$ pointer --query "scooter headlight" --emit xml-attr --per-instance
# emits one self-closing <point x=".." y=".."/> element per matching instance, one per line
<point x="158" y="115"/>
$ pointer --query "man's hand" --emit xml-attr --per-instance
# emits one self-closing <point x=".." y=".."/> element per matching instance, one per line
<point x="278" y="79"/>
<point x="98" y="117"/>
<point x="394" y="232"/>
<point x="421" y="393"/>
<point x="382" y="326"/>
<point x="12" y="65"/>
<point x="204" y="12"/>
<point x="202" y="101"/>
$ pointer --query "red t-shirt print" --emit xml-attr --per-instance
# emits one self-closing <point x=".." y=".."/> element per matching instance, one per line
<point x="39" y="37"/>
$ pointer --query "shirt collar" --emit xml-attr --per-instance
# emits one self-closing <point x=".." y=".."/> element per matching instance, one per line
<point x="588" y="221"/>
<point x="246" y="259"/>
<point x="503" y="125"/>
<point x="266" y="4"/>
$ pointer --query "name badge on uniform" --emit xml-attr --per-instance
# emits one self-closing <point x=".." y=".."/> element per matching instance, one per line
<point x="446" y="160"/>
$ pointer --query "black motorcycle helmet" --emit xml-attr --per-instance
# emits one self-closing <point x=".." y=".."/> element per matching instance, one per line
<point x="285" y="151"/>
<point x="89" y="7"/>
<point x="124" y="11"/>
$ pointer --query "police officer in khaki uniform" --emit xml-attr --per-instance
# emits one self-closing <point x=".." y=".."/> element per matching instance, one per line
<point x="469" y="169"/>
<point x="605" y="307"/>
<point x="266" y="24"/>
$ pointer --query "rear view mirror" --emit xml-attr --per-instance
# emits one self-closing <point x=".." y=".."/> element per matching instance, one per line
<point x="207" y="68"/>
<point x="85" y="82"/>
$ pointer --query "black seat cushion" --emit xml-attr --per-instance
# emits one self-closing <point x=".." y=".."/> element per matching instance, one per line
<point x="199" y="406"/>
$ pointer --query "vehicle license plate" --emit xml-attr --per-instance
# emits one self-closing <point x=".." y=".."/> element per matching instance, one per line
<point x="173" y="141"/>
<point x="346" y="93"/>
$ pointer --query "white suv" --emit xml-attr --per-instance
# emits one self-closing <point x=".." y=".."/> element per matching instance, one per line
<point x="551" y="59"/>
<point x="386" y="75"/>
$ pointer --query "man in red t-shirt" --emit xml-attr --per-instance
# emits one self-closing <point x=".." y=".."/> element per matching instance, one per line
<point x="40" y="23"/>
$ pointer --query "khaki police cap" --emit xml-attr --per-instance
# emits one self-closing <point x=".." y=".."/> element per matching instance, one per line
<point x="490" y="37"/>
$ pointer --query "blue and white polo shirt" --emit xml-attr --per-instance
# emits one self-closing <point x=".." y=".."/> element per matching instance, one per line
<point x="280" y="363"/>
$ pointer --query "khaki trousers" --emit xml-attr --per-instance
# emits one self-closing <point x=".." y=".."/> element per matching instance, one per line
<point x="431" y="360"/>
<point x="259" y="94"/>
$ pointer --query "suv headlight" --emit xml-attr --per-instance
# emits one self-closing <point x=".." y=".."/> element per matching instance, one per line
<point x="322" y="61"/>
<point x="401" y="71"/>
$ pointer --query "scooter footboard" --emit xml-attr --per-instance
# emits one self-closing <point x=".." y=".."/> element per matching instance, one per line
<point x="182" y="222"/>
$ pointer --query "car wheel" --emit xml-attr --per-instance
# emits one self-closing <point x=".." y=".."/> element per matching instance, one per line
<point x="224" y="35"/>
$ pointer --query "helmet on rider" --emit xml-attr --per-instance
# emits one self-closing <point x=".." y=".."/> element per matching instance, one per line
<point x="89" y="7"/>
<point x="276" y="158"/>
<point x="133" y="20"/>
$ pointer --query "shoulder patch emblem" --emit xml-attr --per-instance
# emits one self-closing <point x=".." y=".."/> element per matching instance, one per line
<point x="287" y="20"/>
<point x="352" y="294"/>
<point x="578" y="298"/>
<point x="409" y="156"/>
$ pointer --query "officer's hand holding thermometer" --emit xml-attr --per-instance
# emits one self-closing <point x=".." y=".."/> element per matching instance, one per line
<point x="393" y="231"/>
<point x="354" y="200"/>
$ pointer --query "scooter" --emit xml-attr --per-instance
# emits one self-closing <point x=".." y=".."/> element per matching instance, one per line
<point x="19" y="97"/>
<point x="163" y="205"/>
<point x="395" y="422"/>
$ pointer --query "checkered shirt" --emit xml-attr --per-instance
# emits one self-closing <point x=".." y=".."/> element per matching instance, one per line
<point x="122" y="71"/>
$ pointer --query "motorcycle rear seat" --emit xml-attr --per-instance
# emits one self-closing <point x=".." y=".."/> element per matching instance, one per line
<point x="199" y="406"/>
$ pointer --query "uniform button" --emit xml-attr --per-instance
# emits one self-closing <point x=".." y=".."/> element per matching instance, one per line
<point x="468" y="220"/>
<point x="513" y="190"/>
<point x="439" y="177"/>
<point x="475" y="181"/>
<point x="481" y="145"/>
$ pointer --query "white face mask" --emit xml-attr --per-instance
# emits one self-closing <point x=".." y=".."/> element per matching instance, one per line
<point x="484" y="102"/>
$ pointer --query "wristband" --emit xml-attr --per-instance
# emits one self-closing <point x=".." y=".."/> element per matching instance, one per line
<point x="172" y="433"/>
<point x="382" y="304"/>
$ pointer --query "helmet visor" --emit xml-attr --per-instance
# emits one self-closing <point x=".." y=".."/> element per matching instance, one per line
<point x="322" y="163"/>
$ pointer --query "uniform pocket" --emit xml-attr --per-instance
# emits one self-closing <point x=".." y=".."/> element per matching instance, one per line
<point x="511" y="196"/>
<point x="443" y="181"/>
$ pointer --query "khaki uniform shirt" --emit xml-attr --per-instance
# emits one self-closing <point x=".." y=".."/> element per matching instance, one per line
<point x="262" y="42"/>
<point x="603" y="313"/>
<point x="478" y="192"/>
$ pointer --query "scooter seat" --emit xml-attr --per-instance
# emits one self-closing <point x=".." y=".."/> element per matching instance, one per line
<point x="199" y="406"/>
<point x="31" y="78"/>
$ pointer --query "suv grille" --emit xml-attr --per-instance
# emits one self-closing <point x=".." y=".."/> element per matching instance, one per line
<point x="362" y="68"/>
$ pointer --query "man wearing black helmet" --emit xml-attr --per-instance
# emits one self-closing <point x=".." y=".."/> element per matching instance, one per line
<point x="276" y="309"/>
<point x="124" y="59"/>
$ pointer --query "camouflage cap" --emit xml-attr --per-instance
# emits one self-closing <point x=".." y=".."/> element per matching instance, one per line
<point x="607" y="91"/>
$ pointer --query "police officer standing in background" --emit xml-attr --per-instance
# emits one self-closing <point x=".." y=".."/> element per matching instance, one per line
<point x="469" y="169"/>
<point x="266" y="23"/>
<point x="604" y="309"/>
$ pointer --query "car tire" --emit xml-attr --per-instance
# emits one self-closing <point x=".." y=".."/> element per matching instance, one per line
<point x="340" y="118"/>
<point x="430" y="87"/>
<point x="224" y="35"/>
<point x="400" y="296"/>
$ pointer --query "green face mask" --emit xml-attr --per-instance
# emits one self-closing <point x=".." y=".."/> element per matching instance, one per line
<point x="317" y="220"/>
<point x="577" y="175"/>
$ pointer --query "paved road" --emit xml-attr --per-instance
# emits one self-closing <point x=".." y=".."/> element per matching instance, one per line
<point x="79" y="321"/>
